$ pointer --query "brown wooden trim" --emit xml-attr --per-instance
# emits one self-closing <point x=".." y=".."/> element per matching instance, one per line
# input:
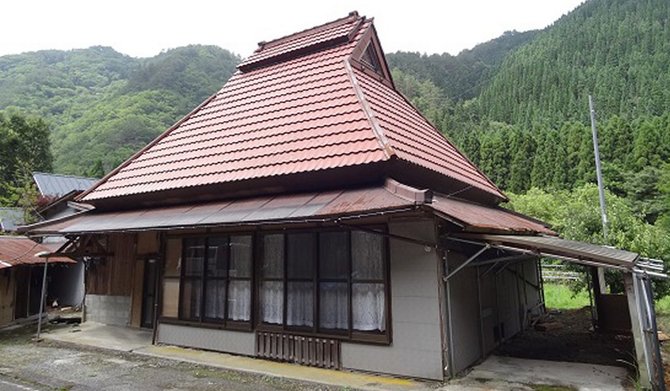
<point x="231" y="325"/>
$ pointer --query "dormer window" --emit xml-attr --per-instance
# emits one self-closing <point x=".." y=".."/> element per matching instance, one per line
<point x="371" y="59"/>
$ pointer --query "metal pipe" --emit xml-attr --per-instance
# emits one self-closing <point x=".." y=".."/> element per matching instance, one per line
<point x="464" y="264"/>
<point x="44" y="254"/>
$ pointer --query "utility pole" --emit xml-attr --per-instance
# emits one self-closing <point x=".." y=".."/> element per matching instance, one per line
<point x="601" y="188"/>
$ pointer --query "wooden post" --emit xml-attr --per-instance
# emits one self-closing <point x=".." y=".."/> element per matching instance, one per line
<point x="636" y="327"/>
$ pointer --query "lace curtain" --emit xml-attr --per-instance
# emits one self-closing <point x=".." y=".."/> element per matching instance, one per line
<point x="334" y="305"/>
<point x="300" y="304"/>
<point x="272" y="302"/>
<point x="239" y="300"/>
<point x="367" y="302"/>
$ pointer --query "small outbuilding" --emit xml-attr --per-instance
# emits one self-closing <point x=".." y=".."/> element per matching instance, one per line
<point x="21" y="274"/>
<point x="307" y="212"/>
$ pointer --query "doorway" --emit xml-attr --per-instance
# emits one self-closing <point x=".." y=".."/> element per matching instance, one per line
<point x="149" y="292"/>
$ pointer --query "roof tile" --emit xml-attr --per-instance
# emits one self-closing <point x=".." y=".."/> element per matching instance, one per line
<point x="295" y="106"/>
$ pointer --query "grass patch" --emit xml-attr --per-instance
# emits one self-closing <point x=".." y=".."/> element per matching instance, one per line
<point x="562" y="297"/>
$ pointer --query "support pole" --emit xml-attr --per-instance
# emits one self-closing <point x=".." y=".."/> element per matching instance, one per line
<point x="637" y="327"/>
<point x="44" y="254"/>
<point x="601" y="189"/>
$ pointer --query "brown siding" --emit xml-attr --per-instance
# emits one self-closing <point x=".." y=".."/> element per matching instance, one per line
<point x="7" y="294"/>
<point x="114" y="274"/>
<point x="136" y="299"/>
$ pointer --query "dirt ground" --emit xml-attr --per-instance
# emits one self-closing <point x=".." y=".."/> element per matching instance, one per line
<point x="573" y="342"/>
<point x="30" y="366"/>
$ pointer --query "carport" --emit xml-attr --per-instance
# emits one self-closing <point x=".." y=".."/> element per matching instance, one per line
<point x="637" y="273"/>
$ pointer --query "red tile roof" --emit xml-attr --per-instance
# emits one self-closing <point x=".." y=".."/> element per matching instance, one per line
<point x="295" y="106"/>
<point x="19" y="250"/>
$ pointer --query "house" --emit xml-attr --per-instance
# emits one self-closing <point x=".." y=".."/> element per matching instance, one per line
<point x="21" y="273"/>
<point x="307" y="212"/>
<point x="10" y="218"/>
<point x="58" y="191"/>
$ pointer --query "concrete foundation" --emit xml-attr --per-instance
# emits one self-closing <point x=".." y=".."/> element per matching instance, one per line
<point x="107" y="309"/>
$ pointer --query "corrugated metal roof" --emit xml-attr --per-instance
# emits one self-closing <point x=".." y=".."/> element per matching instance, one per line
<point x="238" y="212"/>
<point x="288" y="208"/>
<point x="19" y="250"/>
<point x="298" y="113"/>
<point x="56" y="185"/>
<point x="10" y="218"/>
<point x="548" y="246"/>
<point x="478" y="217"/>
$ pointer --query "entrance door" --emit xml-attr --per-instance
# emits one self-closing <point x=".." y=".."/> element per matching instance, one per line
<point x="149" y="292"/>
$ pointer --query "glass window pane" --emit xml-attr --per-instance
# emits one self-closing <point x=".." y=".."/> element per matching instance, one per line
<point x="172" y="257"/>
<point x="273" y="256"/>
<point x="367" y="251"/>
<point x="334" y="305"/>
<point x="239" y="300"/>
<point x="215" y="299"/>
<point x="240" y="256"/>
<point x="368" y="307"/>
<point x="190" y="299"/>
<point x="333" y="254"/>
<point x="300" y="304"/>
<point x="170" y="297"/>
<point x="194" y="256"/>
<point x="272" y="302"/>
<point x="217" y="257"/>
<point x="301" y="253"/>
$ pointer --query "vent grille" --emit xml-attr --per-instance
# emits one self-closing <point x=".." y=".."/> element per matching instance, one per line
<point x="311" y="351"/>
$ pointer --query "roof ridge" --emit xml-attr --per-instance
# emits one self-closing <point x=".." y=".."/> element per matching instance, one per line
<point x="268" y="44"/>
<point x="369" y="113"/>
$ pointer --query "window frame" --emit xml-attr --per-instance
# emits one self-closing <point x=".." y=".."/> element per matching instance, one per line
<point x="203" y="320"/>
<point x="373" y="337"/>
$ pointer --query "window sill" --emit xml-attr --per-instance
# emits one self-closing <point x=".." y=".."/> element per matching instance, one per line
<point x="230" y="325"/>
<point x="356" y="337"/>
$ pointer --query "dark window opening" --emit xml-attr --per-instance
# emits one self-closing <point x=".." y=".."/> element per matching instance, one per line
<point x="371" y="59"/>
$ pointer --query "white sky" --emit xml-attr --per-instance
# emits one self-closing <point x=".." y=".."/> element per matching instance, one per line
<point x="143" y="28"/>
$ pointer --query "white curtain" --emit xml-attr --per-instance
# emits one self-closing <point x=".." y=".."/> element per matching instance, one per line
<point x="214" y="299"/>
<point x="334" y="306"/>
<point x="367" y="310"/>
<point x="272" y="302"/>
<point x="239" y="300"/>
<point x="300" y="306"/>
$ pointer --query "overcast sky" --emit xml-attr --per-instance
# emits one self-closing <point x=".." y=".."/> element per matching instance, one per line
<point x="143" y="28"/>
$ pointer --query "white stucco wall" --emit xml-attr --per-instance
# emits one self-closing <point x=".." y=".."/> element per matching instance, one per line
<point x="416" y="347"/>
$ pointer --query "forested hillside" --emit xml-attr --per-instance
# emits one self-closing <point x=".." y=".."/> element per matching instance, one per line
<point x="525" y="121"/>
<point x="516" y="105"/>
<point x="616" y="50"/>
<point x="102" y="105"/>
<point x="461" y="76"/>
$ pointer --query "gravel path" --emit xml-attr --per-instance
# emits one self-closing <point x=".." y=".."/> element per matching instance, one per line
<point x="28" y="366"/>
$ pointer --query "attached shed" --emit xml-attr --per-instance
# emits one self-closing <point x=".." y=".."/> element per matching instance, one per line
<point x="21" y="277"/>
<point x="307" y="212"/>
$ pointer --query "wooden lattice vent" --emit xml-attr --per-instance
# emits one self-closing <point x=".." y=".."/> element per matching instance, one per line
<point x="311" y="351"/>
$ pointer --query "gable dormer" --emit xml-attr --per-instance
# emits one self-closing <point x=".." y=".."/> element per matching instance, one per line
<point x="368" y="56"/>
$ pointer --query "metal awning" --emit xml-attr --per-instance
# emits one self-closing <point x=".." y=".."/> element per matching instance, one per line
<point x="561" y="248"/>
<point x="276" y="209"/>
<point x="570" y="250"/>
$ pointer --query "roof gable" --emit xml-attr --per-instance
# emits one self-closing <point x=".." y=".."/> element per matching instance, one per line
<point x="301" y="104"/>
